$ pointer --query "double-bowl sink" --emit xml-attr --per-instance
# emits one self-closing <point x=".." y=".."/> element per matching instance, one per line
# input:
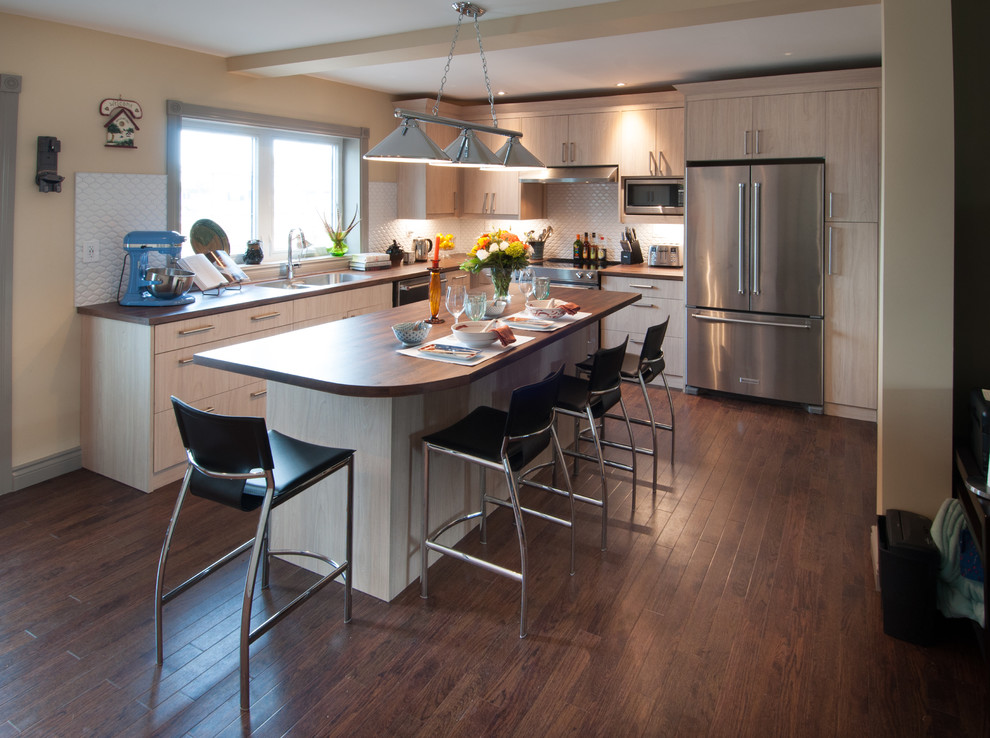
<point x="313" y="281"/>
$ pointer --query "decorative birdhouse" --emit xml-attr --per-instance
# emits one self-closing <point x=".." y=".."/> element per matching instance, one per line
<point x="121" y="123"/>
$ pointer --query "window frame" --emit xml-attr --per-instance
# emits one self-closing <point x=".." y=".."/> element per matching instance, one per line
<point x="353" y="167"/>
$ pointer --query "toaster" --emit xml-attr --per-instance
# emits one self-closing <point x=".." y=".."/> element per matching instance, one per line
<point x="665" y="256"/>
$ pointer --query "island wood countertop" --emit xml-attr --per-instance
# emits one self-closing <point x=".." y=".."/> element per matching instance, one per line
<point x="358" y="357"/>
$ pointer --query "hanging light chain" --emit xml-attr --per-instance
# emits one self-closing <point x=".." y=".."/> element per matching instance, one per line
<point x="450" y="56"/>
<point x="484" y="67"/>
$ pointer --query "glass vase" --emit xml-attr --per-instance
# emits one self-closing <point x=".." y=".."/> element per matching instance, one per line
<point x="434" y="295"/>
<point x="337" y="248"/>
<point x="501" y="277"/>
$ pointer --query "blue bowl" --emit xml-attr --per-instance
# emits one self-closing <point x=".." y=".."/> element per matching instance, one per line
<point x="412" y="333"/>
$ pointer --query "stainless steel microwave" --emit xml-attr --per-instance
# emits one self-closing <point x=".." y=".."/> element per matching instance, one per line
<point x="653" y="195"/>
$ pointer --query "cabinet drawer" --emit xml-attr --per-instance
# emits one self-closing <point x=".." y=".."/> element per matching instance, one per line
<point x="176" y="374"/>
<point x="342" y="304"/>
<point x="196" y="331"/>
<point x="247" y="400"/>
<point x="639" y="316"/>
<point x="672" y="289"/>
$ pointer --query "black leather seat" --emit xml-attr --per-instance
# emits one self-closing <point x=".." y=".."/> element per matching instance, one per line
<point x="237" y="462"/>
<point x="642" y="370"/>
<point x="507" y="441"/>
<point x="591" y="399"/>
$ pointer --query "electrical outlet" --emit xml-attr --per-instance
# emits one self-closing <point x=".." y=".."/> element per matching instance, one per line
<point x="91" y="251"/>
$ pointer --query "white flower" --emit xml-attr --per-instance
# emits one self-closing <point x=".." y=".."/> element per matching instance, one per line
<point x="481" y="254"/>
<point x="503" y="246"/>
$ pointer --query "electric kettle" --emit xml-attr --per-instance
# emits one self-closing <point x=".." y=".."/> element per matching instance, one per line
<point x="422" y="247"/>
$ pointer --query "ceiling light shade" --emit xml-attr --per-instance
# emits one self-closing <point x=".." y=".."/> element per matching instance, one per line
<point x="407" y="143"/>
<point x="468" y="151"/>
<point x="513" y="155"/>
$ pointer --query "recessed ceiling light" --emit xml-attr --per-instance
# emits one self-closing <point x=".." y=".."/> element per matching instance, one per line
<point x="501" y="92"/>
<point x="620" y="84"/>
<point x="788" y="53"/>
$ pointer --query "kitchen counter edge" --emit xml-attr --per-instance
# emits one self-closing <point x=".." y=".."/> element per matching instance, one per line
<point x="250" y="295"/>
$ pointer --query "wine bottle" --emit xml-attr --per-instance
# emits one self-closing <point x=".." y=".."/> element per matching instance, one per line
<point x="578" y="248"/>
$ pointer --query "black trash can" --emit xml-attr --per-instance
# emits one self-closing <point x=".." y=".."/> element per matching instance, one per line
<point x="909" y="564"/>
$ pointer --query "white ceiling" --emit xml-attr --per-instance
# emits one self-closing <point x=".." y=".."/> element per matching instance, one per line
<point x="533" y="47"/>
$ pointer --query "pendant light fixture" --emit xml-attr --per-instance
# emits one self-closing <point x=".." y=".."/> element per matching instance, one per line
<point x="409" y="143"/>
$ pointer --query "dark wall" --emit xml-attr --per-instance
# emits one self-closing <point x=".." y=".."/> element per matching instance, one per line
<point x="971" y="72"/>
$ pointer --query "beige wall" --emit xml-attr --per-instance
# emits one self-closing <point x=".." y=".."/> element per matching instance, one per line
<point x="916" y="300"/>
<point x="66" y="72"/>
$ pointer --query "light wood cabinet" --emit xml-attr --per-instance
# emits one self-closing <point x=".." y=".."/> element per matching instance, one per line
<point x="491" y="192"/>
<point x="425" y="191"/>
<point x="851" y="314"/>
<point x="766" y="126"/>
<point x="582" y="139"/>
<point x="130" y="370"/>
<point x="652" y="143"/>
<point x="661" y="298"/>
<point x="852" y="156"/>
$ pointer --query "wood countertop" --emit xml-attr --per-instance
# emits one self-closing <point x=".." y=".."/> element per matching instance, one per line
<point x="252" y="294"/>
<point x="358" y="357"/>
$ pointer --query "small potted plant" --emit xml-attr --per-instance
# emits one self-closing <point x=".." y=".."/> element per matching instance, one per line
<point x="338" y="232"/>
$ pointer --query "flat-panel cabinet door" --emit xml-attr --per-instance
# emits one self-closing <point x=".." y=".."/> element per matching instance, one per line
<point x="639" y="135"/>
<point x="670" y="142"/>
<point x="851" y="305"/>
<point x="852" y="156"/>
<point x="719" y="129"/>
<point x="546" y="137"/>
<point x="788" y="125"/>
<point x="594" y="139"/>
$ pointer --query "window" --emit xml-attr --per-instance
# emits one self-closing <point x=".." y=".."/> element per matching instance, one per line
<point x="260" y="176"/>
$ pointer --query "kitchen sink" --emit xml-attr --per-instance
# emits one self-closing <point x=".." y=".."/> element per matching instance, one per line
<point x="313" y="281"/>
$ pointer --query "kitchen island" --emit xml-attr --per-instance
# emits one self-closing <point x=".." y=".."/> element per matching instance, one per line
<point x="344" y="384"/>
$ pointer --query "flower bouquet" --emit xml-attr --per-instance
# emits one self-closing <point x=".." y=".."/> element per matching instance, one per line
<point x="338" y="232"/>
<point x="500" y="252"/>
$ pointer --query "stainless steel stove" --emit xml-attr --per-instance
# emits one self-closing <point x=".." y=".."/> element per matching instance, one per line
<point x="563" y="273"/>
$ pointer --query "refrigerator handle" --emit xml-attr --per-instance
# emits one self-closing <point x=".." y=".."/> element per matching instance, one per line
<point x="756" y="237"/>
<point x="741" y="235"/>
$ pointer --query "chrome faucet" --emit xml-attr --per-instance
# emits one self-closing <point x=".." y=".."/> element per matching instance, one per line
<point x="293" y="233"/>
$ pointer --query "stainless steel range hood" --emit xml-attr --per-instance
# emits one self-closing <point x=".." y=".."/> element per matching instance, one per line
<point x="574" y="175"/>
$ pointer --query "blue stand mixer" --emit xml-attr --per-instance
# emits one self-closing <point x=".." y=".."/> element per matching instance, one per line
<point x="138" y="246"/>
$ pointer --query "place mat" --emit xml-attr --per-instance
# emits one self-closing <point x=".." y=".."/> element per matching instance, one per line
<point x="479" y="355"/>
<point x="519" y="320"/>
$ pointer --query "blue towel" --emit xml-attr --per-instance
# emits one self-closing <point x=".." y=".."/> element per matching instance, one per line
<point x="958" y="597"/>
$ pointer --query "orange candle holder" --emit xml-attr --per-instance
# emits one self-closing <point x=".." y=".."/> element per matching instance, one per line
<point x="435" y="295"/>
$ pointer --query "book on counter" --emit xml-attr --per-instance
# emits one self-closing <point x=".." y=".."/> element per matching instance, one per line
<point x="369" y="262"/>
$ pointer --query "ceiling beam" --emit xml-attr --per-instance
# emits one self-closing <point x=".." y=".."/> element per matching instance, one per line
<point x="601" y="20"/>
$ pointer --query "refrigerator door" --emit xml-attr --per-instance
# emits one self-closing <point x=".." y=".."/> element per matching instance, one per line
<point x="768" y="356"/>
<point x="786" y="252"/>
<point x="717" y="237"/>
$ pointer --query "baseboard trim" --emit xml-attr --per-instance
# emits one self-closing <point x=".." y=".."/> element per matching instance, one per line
<point x="48" y="468"/>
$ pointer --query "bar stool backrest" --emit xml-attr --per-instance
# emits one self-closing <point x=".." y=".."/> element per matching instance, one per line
<point x="651" y="361"/>
<point x="222" y="443"/>
<point x="605" y="378"/>
<point x="530" y="419"/>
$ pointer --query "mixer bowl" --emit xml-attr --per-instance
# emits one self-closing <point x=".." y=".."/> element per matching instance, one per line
<point x="167" y="283"/>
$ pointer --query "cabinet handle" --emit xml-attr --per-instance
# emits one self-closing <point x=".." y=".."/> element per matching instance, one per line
<point x="183" y="362"/>
<point x="643" y="286"/>
<point x="635" y="340"/>
<point x="830" y="251"/>
<point x="460" y="276"/>
<point x="493" y="203"/>
<point x="573" y="158"/>
<point x="644" y="305"/>
<point x="209" y="409"/>
<point x="563" y="152"/>
<point x="193" y="331"/>
<point x="484" y="204"/>
<point x="757" y="140"/>
<point x="746" y="143"/>
<point x="830" y="205"/>
<point x="654" y="170"/>
<point x="259" y="393"/>
<point x="266" y="316"/>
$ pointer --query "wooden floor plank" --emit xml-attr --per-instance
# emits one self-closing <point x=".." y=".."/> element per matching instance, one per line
<point x="739" y="600"/>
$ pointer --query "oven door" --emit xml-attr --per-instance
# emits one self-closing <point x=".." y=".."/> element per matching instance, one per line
<point x="415" y="289"/>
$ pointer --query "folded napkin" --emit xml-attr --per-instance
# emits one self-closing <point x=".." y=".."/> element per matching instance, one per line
<point x="504" y="333"/>
<point x="568" y="307"/>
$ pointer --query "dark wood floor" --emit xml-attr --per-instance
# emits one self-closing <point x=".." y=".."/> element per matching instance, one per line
<point x="739" y="602"/>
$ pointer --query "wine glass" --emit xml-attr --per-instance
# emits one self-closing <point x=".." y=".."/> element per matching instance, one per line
<point x="526" y="282"/>
<point x="456" y="297"/>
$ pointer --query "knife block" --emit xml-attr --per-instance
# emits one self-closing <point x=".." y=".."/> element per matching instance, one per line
<point x="631" y="253"/>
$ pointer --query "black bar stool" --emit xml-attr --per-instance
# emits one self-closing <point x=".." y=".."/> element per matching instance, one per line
<point x="592" y="398"/>
<point x="238" y="462"/>
<point x="506" y="441"/>
<point x="642" y="370"/>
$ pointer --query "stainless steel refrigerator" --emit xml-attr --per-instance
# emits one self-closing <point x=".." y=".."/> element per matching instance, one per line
<point x="753" y="279"/>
